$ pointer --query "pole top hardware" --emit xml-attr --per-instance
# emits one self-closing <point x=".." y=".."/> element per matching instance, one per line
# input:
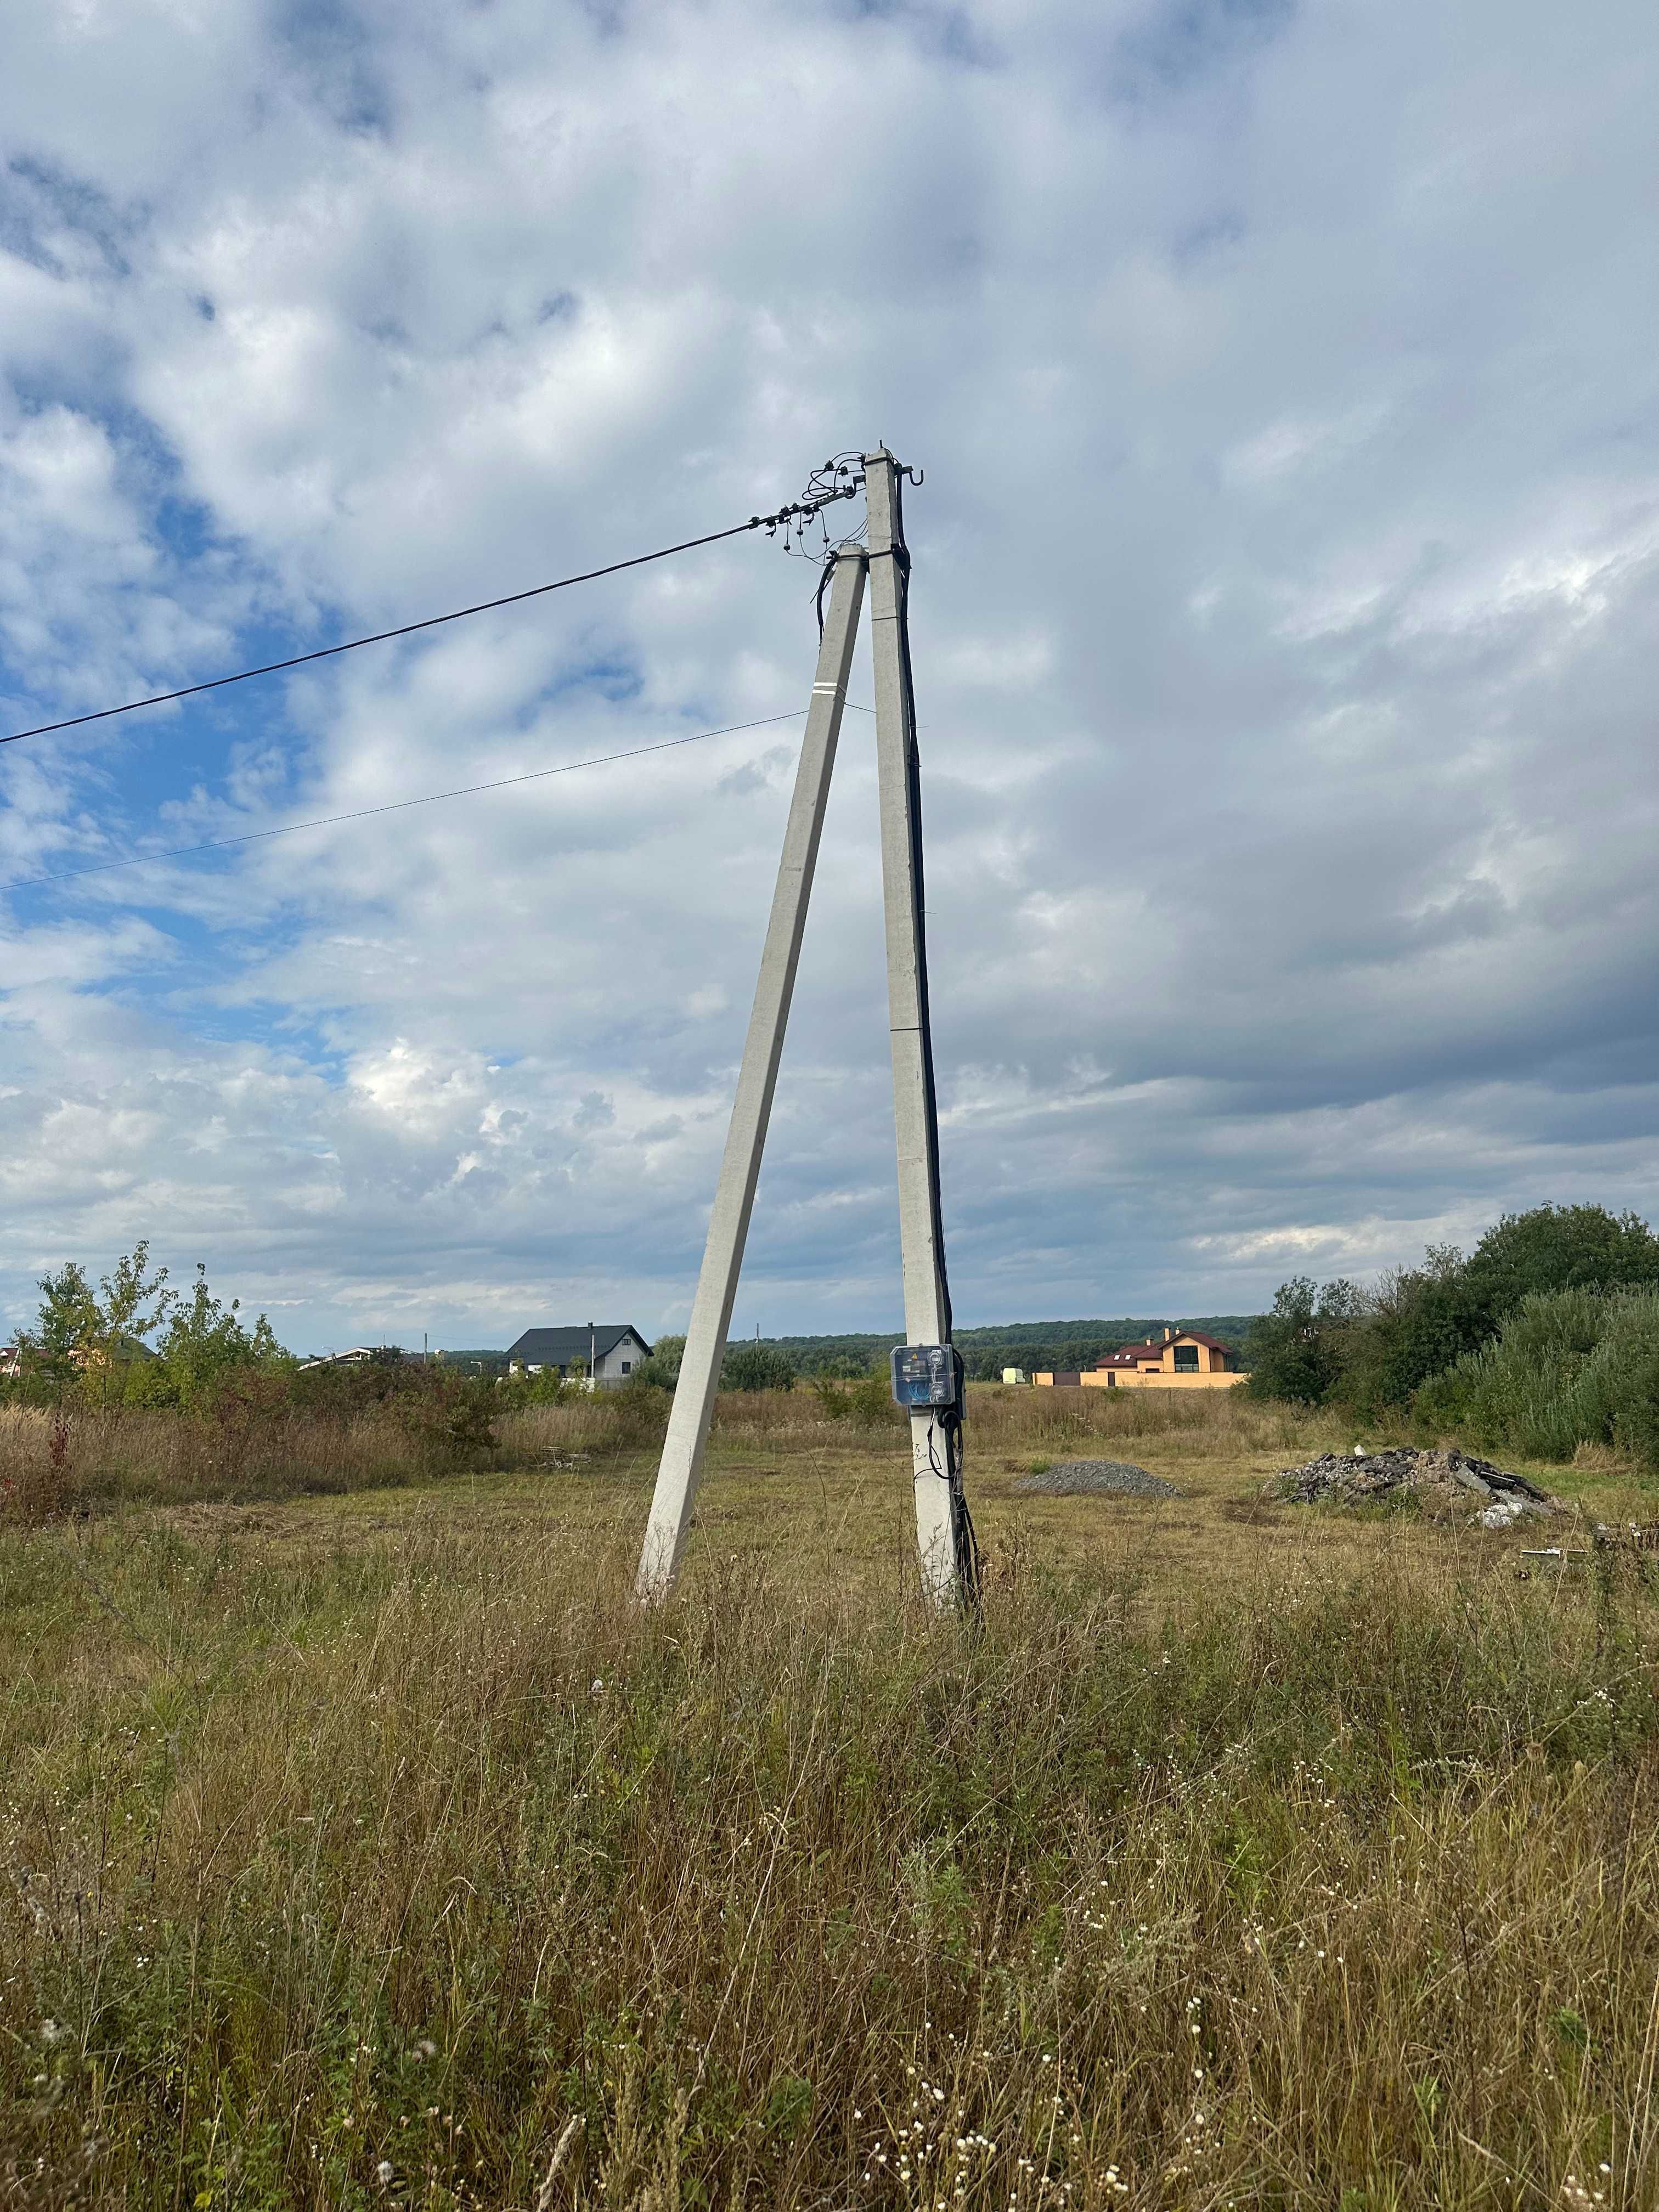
<point x="841" y="476"/>
<point x="900" y="468"/>
<point x="802" y="510"/>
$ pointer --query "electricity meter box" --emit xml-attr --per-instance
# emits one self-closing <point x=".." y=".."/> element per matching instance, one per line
<point x="926" y="1376"/>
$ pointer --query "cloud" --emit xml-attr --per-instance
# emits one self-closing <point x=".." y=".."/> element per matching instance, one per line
<point x="1286" y="584"/>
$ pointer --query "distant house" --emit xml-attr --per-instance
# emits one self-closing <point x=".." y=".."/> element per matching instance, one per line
<point x="360" y="1355"/>
<point x="122" y="1346"/>
<point x="119" y="1350"/>
<point x="1183" y="1359"/>
<point x="614" y="1351"/>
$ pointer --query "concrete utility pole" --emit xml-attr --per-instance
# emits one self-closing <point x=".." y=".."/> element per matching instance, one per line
<point x="681" y="1468"/>
<point x="944" y="1531"/>
<point x="926" y="1301"/>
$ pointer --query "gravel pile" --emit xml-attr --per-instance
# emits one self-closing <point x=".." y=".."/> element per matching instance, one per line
<point x="1450" y="1482"/>
<point x="1115" y="1478"/>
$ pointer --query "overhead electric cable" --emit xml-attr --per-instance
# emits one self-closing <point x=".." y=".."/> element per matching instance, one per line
<point x="433" y="622"/>
<point x="397" y="806"/>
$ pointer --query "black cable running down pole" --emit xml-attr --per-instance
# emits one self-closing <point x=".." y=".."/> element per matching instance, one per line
<point x="913" y="773"/>
<point x="432" y="622"/>
<point x="964" y="1537"/>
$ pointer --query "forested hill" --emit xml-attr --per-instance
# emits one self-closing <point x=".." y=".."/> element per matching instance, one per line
<point x="1025" y="1343"/>
<point x="1028" y="1345"/>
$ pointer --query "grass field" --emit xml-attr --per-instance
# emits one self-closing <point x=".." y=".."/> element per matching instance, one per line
<point x="368" y="1847"/>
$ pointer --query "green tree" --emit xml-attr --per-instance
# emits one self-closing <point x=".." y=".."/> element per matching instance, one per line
<point x="661" y="1368"/>
<point x="1562" y="1248"/>
<point x="750" y="1367"/>
<point x="206" y="1342"/>
<point x="1422" y="1320"/>
<point x="1297" y="1350"/>
<point x="89" y="1342"/>
<point x="122" y="1374"/>
<point x="1377" y="1351"/>
<point x="127" y="1292"/>
<point x="1426" y="1319"/>
<point x="67" y="1326"/>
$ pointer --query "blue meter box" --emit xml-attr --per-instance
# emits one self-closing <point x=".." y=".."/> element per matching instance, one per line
<point x="926" y="1375"/>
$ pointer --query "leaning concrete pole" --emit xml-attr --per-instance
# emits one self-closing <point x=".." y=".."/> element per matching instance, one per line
<point x="681" y="1468"/>
<point x="926" y="1302"/>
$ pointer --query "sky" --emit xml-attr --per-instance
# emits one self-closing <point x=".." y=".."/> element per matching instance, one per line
<point x="1286" y="601"/>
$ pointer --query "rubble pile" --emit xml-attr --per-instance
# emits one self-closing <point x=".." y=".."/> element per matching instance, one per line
<point x="1451" y="1485"/>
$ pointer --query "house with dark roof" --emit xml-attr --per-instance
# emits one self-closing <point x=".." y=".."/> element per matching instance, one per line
<point x="610" y="1351"/>
<point x="1183" y="1359"/>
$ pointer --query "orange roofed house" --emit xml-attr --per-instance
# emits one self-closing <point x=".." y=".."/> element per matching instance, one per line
<point x="1185" y="1359"/>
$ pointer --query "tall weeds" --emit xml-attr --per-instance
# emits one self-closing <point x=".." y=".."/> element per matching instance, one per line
<point x="356" y="1879"/>
<point x="54" y="1459"/>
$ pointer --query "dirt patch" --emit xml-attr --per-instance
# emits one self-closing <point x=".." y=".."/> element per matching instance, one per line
<point x="1449" y="1485"/>
<point x="203" y="1518"/>
<point x="1245" y="1512"/>
<point x="1078" y="1477"/>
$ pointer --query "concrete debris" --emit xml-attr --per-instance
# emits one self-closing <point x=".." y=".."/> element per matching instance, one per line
<point x="1633" y="1536"/>
<point x="1114" y="1478"/>
<point x="1504" y="1512"/>
<point x="1451" y="1485"/>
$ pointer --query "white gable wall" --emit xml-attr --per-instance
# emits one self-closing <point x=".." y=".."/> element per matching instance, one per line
<point x="621" y="1362"/>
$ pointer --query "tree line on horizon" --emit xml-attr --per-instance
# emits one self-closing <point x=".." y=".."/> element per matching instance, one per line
<point x="133" y="1339"/>
<point x="1034" y="1347"/>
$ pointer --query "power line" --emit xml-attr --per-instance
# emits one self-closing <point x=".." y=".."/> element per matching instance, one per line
<point x="433" y="621"/>
<point x="398" y="805"/>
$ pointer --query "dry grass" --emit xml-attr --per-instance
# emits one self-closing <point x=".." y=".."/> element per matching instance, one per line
<point x="96" y="1455"/>
<point x="358" y="1846"/>
<point x="91" y="1457"/>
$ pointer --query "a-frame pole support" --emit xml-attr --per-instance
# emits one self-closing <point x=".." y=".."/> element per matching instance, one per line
<point x="681" y="1468"/>
<point x="944" y="1530"/>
